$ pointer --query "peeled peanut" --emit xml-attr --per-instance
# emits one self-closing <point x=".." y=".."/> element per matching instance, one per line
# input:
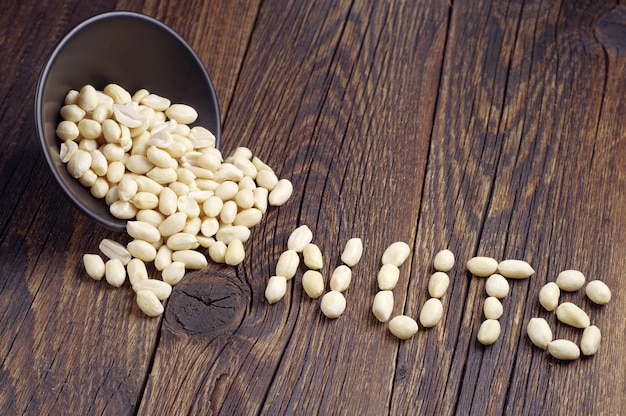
<point x="149" y="303"/>
<point x="572" y="315"/>
<point x="388" y="276"/>
<point x="352" y="252"/>
<point x="403" y="327"/>
<point x="235" y="253"/>
<point x="136" y="270"/>
<point x="312" y="257"/>
<point x="280" y="193"/>
<point x="173" y="272"/>
<point x="396" y="253"/>
<point x="182" y="113"/>
<point x="598" y="292"/>
<point x="563" y="349"/>
<point x="114" y="250"/>
<point x="515" y="269"/>
<point x="438" y="284"/>
<point x="497" y="286"/>
<point x="431" y="313"/>
<point x="275" y="289"/>
<point x="443" y="261"/>
<point x="94" y="266"/>
<point x="382" y="306"/>
<point x="115" y="273"/>
<point x="489" y="331"/>
<point x="79" y="163"/>
<point x="299" y="238"/>
<point x="570" y="280"/>
<point x="590" y="341"/>
<point x="313" y="283"/>
<point x="333" y="304"/>
<point x="67" y="130"/>
<point x="549" y="296"/>
<point x="182" y="241"/>
<point x="161" y="289"/>
<point x="539" y="332"/>
<point x="191" y="258"/>
<point x="142" y="250"/>
<point x="340" y="278"/>
<point x="143" y="231"/>
<point x="482" y="266"/>
<point x="492" y="308"/>
<point x="287" y="264"/>
<point x="217" y="252"/>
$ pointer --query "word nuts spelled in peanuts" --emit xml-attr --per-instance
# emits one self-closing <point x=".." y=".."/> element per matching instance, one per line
<point x="141" y="155"/>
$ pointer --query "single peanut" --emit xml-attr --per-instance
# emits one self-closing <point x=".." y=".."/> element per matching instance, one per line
<point x="191" y="258"/>
<point x="432" y="312"/>
<point x="489" y="331"/>
<point x="313" y="283"/>
<point x="382" y="307"/>
<point x="482" y="266"/>
<point x="598" y="292"/>
<point x="340" y="278"/>
<point x="94" y="266"/>
<point x="403" y="327"/>
<point x="443" y="261"/>
<point x="352" y="252"/>
<point x="137" y="271"/>
<point x="114" y="250"/>
<point x="590" y="341"/>
<point x="173" y="272"/>
<point x="539" y="332"/>
<point x="333" y="304"/>
<point x="312" y="257"/>
<point x="492" y="308"/>
<point x="497" y="286"/>
<point x="143" y="231"/>
<point x="115" y="273"/>
<point x="572" y="315"/>
<point x="280" y="193"/>
<point x="515" y="269"/>
<point x="570" y="280"/>
<point x="549" y="296"/>
<point x="287" y="264"/>
<point x="396" y="253"/>
<point x="235" y="253"/>
<point x="563" y="349"/>
<point x="275" y="289"/>
<point x="161" y="289"/>
<point x="299" y="238"/>
<point x="438" y="284"/>
<point x="149" y="303"/>
<point x="388" y="276"/>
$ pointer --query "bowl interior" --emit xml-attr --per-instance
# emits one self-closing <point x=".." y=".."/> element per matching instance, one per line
<point x="134" y="51"/>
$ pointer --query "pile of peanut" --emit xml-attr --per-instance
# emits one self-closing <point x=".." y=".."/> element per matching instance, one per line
<point x="140" y="154"/>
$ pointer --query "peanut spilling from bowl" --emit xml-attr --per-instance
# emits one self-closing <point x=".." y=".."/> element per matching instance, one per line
<point x="142" y="156"/>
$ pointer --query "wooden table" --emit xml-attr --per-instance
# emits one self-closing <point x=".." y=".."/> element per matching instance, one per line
<point x="490" y="128"/>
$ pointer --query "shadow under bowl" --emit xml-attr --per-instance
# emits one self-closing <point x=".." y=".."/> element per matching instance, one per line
<point x="134" y="51"/>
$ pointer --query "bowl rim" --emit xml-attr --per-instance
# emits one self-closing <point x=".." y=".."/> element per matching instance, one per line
<point x="116" y="225"/>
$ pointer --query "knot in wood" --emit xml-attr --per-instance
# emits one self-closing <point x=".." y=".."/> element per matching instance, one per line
<point x="212" y="306"/>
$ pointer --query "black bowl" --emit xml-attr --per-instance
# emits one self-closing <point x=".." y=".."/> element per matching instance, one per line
<point x="134" y="51"/>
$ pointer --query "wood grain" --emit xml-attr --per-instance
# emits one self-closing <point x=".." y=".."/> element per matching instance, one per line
<point x="487" y="127"/>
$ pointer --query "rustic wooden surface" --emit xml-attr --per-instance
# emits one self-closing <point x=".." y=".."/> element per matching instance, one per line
<point x="488" y="127"/>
